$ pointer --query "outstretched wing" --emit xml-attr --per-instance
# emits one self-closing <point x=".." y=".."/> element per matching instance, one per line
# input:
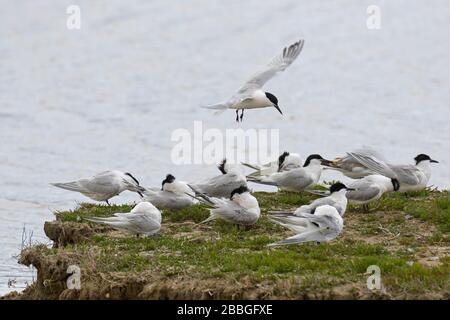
<point x="374" y="164"/>
<point x="279" y="63"/>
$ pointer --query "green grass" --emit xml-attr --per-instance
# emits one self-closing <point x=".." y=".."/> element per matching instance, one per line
<point x="219" y="249"/>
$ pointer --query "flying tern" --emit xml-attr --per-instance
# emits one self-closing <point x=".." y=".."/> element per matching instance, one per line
<point x="251" y="95"/>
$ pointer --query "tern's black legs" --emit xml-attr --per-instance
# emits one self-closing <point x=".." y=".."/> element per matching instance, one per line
<point x="237" y="115"/>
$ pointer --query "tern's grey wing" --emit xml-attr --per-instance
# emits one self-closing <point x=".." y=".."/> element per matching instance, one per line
<point x="326" y="201"/>
<point x="407" y="174"/>
<point x="375" y="165"/>
<point x="363" y="194"/>
<point x="369" y="152"/>
<point x="294" y="179"/>
<point x="306" y="236"/>
<point x="234" y="213"/>
<point x="142" y="223"/>
<point x="279" y="63"/>
<point x="223" y="185"/>
<point x="101" y="184"/>
<point x="168" y="200"/>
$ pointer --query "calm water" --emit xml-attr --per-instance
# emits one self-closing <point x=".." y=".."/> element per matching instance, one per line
<point x="73" y="103"/>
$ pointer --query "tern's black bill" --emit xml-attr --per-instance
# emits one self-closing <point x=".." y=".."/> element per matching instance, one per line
<point x="326" y="162"/>
<point x="351" y="189"/>
<point x="434" y="161"/>
<point x="278" y="108"/>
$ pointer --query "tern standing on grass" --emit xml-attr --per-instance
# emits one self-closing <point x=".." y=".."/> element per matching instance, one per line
<point x="104" y="185"/>
<point x="411" y="177"/>
<point x="241" y="208"/>
<point x="251" y="95"/>
<point x="171" y="196"/>
<point x="295" y="179"/>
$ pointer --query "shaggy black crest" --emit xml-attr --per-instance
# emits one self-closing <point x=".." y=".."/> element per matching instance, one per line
<point x="423" y="157"/>
<point x="395" y="184"/>
<point x="239" y="190"/>
<point x="337" y="186"/>
<point x="272" y="98"/>
<point x="281" y="159"/>
<point x="312" y="157"/>
<point x="169" y="179"/>
<point x="221" y="166"/>
<point x="131" y="176"/>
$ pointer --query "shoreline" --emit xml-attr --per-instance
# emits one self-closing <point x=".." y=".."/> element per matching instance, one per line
<point x="406" y="235"/>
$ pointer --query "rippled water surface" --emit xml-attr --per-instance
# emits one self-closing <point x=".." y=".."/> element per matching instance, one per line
<point x="108" y="96"/>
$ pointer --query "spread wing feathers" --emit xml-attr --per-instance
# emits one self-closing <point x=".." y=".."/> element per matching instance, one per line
<point x="379" y="167"/>
<point x="278" y="63"/>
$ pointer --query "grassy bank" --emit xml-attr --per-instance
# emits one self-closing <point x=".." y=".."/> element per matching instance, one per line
<point x="406" y="235"/>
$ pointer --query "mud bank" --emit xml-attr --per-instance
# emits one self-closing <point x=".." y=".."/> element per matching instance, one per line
<point x="406" y="236"/>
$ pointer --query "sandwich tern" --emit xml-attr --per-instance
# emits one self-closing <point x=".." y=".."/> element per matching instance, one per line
<point x="241" y="208"/>
<point x="336" y="198"/>
<point x="144" y="219"/>
<point x="104" y="185"/>
<point x="170" y="184"/>
<point x="410" y="177"/>
<point x="322" y="226"/>
<point x="371" y="188"/>
<point x="171" y="196"/>
<point x="297" y="179"/>
<point x="286" y="161"/>
<point x="251" y="95"/>
<point x="224" y="184"/>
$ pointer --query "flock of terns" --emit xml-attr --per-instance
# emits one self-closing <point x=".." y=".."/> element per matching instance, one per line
<point x="228" y="196"/>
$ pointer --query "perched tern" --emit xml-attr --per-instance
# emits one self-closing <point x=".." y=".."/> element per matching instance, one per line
<point x="173" y="185"/>
<point x="286" y="161"/>
<point x="410" y="177"/>
<point x="104" y="185"/>
<point x="241" y="208"/>
<point x="251" y="95"/>
<point x="336" y="198"/>
<point x="222" y="185"/>
<point x="172" y="195"/>
<point x="371" y="188"/>
<point x="297" y="179"/>
<point x="322" y="226"/>
<point x="144" y="219"/>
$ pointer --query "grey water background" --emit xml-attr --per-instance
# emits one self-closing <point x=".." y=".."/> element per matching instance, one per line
<point x="108" y="96"/>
